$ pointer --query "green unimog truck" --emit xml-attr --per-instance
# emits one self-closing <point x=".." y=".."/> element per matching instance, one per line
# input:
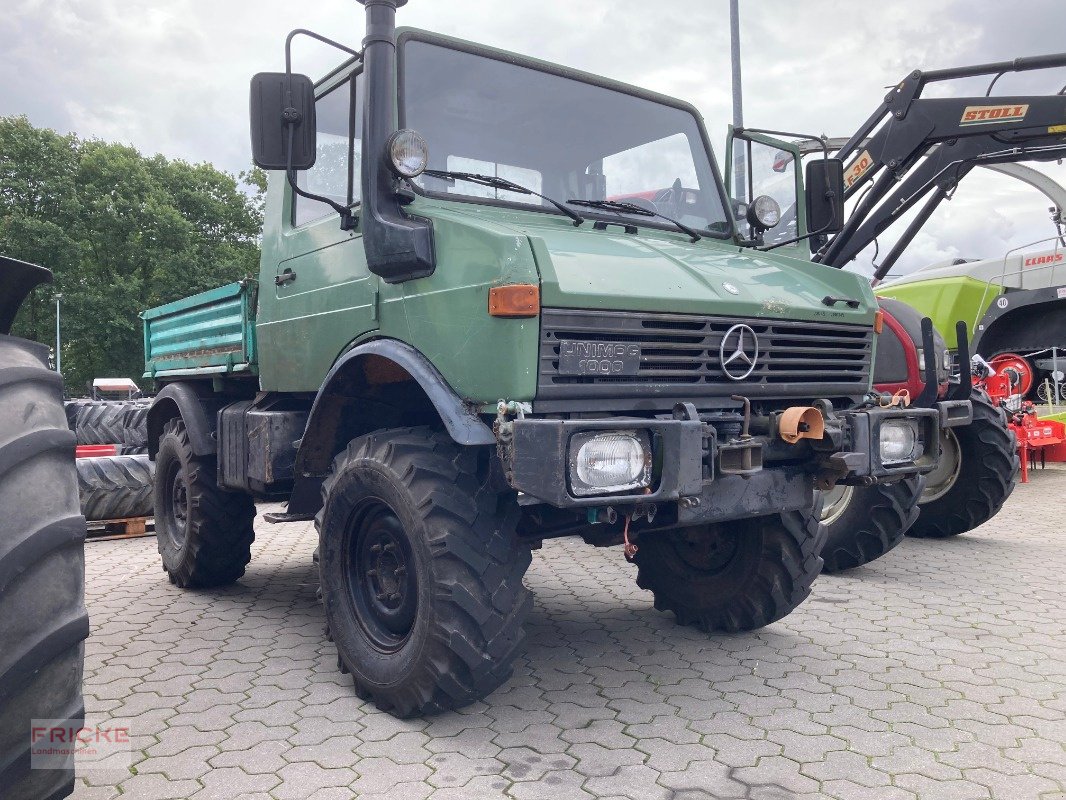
<point x="462" y="342"/>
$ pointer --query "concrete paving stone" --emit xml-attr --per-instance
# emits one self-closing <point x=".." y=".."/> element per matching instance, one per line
<point x="379" y="774"/>
<point x="552" y="786"/>
<point x="596" y="760"/>
<point x="175" y="739"/>
<point x="454" y="770"/>
<point x="930" y="789"/>
<point x="481" y="788"/>
<point x="541" y="738"/>
<point x="227" y="782"/>
<point x="525" y="764"/>
<point x="299" y="781"/>
<point x="189" y="764"/>
<point x="154" y="786"/>
<point x="403" y="748"/>
<point x="259" y="759"/>
<point x="606" y="732"/>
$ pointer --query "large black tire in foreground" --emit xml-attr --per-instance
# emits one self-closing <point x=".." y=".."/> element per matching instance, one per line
<point x="42" y="570"/>
<point x="421" y="571"/>
<point x="733" y="576"/>
<point x="865" y="522"/>
<point x="978" y="470"/>
<point x="115" y="487"/>
<point x="203" y="533"/>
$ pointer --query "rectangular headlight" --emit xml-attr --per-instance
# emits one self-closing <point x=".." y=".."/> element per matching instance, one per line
<point x="898" y="441"/>
<point x="602" y="462"/>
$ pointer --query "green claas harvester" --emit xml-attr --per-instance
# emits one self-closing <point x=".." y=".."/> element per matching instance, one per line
<point x="502" y="301"/>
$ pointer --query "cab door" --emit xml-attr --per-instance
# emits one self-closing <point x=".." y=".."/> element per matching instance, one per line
<point x="757" y="164"/>
<point x="322" y="295"/>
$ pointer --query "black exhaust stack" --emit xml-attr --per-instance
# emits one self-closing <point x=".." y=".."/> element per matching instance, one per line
<point x="398" y="247"/>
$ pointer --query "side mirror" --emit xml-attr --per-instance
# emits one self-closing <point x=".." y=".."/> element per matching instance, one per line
<point x="283" y="108"/>
<point x="825" y="195"/>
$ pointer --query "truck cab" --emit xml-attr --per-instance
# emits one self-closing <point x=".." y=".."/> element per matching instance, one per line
<point x="502" y="301"/>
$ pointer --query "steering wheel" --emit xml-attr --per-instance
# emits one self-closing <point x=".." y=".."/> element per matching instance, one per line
<point x="642" y="202"/>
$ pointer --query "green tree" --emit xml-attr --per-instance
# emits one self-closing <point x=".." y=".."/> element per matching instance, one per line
<point x="122" y="232"/>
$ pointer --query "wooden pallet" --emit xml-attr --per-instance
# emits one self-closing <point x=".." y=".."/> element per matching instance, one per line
<point x="131" y="528"/>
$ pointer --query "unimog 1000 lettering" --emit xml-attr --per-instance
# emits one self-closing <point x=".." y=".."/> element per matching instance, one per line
<point x="502" y="301"/>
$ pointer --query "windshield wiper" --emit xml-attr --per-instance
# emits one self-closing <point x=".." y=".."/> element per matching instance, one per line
<point x="503" y="184"/>
<point x="619" y="207"/>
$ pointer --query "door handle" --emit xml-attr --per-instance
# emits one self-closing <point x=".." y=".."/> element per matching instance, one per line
<point x="288" y="276"/>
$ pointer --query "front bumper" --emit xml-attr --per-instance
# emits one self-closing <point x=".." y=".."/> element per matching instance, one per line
<point x="705" y="476"/>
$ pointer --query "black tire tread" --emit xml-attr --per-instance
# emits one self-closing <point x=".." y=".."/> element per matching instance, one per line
<point x="100" y="421"/>
<point x="789" y="562"/>
<point x="43" y="620"/>
<point x="876" y="521"/>
<point x="218" y="546"/>
<point x="480" y="568"/>
<point x="115" y="487"/>
<point x="987" y="477"/>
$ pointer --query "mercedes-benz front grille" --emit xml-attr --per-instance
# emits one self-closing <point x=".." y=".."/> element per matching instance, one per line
<point x="595" y="354"/>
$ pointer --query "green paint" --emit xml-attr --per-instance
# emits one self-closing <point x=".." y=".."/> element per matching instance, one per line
<point x="945" y="301"/>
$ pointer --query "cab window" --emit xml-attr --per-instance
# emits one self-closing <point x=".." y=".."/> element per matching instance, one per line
<point x="337" y="170"/>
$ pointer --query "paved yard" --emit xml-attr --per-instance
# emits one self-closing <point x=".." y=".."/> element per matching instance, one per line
<point x="937" y="672"/>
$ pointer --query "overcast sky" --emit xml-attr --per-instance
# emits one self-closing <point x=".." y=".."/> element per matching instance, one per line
<point x="172" y="76"/>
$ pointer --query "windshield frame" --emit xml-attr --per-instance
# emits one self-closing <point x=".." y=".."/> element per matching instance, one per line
<point x="406" y="35"/>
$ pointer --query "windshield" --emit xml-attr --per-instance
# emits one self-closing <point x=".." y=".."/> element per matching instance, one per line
<point x="557" y="136"/>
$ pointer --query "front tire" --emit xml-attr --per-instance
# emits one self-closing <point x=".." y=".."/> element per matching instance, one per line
<point x="421" y="571"/>
<point x="978" y="471"/>
<point x="733" y="576"/>
<point x="42" y="572"/>
<point x="865" y="522"/>
<point x="204" y="534"/>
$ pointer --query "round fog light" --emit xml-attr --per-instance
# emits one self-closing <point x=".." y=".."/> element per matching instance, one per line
<point x="408" y="153"/>
<point x="764" y="212"/>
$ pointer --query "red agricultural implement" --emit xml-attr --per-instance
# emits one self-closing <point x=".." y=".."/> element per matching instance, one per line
<point x="1006" y="386"/>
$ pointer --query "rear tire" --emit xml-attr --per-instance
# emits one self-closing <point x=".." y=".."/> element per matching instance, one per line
<point x="421" y="571"/>
<point x="733" y="576"/>
<point x="203" y="533"/>
<point x="115" y="487"/>
<point x="42" y="570"/>
<point x="865" y="522"/>
<point x="962" y="495"/>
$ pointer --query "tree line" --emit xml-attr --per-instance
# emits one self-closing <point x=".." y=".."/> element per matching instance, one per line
<point x="121" y="232"/>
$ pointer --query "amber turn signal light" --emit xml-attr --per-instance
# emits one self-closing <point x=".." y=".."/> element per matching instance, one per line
<point x="516" y="300"/>
<point x="879" y="321"/>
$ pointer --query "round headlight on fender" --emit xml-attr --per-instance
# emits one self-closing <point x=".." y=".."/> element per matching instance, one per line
<point x="764" y="212"/>
<point x="408" y="153"/>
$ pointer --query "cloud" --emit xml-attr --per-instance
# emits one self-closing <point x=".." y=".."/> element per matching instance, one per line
<point x="173" y="77"/>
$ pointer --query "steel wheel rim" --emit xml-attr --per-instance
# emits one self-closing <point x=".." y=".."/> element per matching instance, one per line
<point x="709" y="550"/>
<point x="176" y="505"/>
<point x="382" y="588"/>
<point x="940" y="481"/>
<point x="835" y="502"/>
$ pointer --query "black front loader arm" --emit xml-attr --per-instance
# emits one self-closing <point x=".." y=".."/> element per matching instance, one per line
<point x="924" y="147"/>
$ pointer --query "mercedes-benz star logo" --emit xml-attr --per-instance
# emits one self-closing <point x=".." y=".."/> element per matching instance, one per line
<point x="739" y="352"/>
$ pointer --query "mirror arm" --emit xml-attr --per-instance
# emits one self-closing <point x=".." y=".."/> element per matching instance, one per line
<point x="348" y="219"/>
<point x="304" y="32"/>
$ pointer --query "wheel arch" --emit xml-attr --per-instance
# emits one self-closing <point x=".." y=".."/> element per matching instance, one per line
<point x="186" y="401"/>
<point x="378" y="384"/>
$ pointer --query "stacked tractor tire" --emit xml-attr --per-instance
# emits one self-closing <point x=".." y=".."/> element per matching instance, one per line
<point x="116" y="486"/>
